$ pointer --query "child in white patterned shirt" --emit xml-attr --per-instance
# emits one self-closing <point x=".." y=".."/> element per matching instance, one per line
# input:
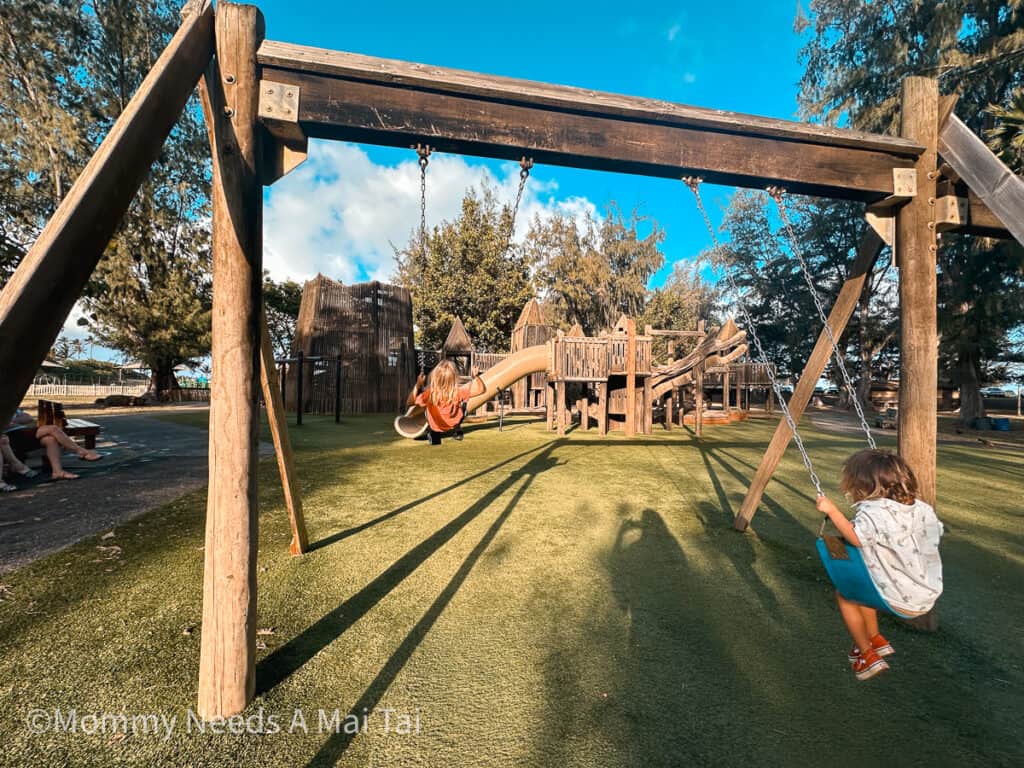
<point x="898" y="537"/>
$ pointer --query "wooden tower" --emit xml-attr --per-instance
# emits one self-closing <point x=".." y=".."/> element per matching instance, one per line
<point x="531" y="329"/>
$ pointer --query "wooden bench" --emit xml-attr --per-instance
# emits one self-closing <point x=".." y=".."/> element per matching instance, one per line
<point x="51" y="412"/>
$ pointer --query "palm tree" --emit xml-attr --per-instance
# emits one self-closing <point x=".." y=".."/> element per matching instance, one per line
<point x="1006" y="138"/>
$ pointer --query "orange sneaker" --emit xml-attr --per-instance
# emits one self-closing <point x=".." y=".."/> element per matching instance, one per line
<point x="880" y="645"/>
<point x="868" y="665"/>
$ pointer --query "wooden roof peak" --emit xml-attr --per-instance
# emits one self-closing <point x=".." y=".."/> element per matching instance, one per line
<point x="532" y="314"/>
<point x="458" y="340"/>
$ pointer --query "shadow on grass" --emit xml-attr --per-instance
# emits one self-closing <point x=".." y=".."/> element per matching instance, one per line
<point x="337" y="621"/>
<point x="341" y="535"/>
<point x="290" y="657"/>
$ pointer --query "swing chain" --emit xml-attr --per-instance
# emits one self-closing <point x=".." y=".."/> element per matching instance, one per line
<point x="694" y="184"/>
<point x="423" y="150"/>
<point x="777" y="195"/>
<point x="525" y="164"/>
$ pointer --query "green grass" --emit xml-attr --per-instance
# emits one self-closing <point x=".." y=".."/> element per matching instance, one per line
<point x="539" y="601"/>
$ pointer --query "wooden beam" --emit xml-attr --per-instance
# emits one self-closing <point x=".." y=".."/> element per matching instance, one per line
<point x="849" y="295"/>
<point x="916" y="259"/>
<point x="40" y="294"/>
<point x="698" y="399"/>
<point x="359" y="98"/>
<point x="227" y="659"/>
<point x="1001" y="191"/>
<point x="282" y="442"/>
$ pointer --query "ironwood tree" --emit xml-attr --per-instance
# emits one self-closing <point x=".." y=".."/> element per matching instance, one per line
<point x="467" y="268"/>
<point x="590" y="272"/>
<point x="72" y="67"/>
<point x="855" y="57"/>
<point x="281" y="303"/>
<point x="684" y="299"/>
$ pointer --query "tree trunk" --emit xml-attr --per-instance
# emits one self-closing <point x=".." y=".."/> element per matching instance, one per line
<point x="163" y="381"/>
<point x="971" y="405"/>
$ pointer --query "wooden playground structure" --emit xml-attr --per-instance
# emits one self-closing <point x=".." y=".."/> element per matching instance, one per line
<point x="263" y="100"/>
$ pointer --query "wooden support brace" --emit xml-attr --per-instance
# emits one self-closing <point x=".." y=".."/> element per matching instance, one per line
<point x="227" y="657"/>
<point x="282" y="442"/>
<point x="648" y="406"/>
<point x="560" y="407"/>
<point x="602" y="408"/>
<point x="842" y="310"/>
<point x="40" y="294"/>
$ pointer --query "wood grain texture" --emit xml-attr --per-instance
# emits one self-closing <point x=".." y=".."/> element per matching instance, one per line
<point x="454" y="82"/>
<point x="996" y="186"/>
<point x="282" y="442"/>
<point x="227" y="660"/>
<point x="37" y="299"/>
<point x="846" y="302"/>
<point x="382" y="113"/>
<point x="916" y="260"/>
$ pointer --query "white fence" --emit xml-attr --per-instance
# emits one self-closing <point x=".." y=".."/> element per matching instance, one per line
<point x="84" y="390"/>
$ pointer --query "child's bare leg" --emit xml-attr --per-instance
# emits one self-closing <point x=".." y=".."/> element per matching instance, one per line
<point x="870" y="619"/>
<point x="855" y="623"/>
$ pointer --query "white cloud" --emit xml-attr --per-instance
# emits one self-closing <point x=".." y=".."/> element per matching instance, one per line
<point x="339" y="212"/>
<point x="673" y="32"/>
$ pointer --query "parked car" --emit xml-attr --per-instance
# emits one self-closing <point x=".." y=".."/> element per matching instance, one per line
<point x="994" y="392"/>
<point x="832" y="391"/>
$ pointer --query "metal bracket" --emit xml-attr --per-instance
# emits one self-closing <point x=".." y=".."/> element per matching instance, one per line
<point x="950" y="213"/>
<point x="904" y="187"/>
<point x="279" y="101"/>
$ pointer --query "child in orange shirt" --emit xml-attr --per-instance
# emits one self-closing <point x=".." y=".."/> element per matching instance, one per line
<point x="444" y="400"/>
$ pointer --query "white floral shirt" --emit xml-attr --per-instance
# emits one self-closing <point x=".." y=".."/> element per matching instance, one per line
<point x="900" y="546"/>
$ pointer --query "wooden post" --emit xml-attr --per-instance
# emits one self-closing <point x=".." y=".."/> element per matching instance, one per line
<point x="282" y="443"/>
<point x="725" y="391"/>
<point x="842" y="310"/>
<point x="298" y="388"/>
<point x="602" y="408"/>
<point x="560" y="407"/>
<point x="648" y="408"/>
<point x="337" y="389"/>
<point x="630" y="377"/>
<point x="916" y="260"/>
<point x="36" y="301"/>
<point x="698" y="414"/>
<point x="582" y="407"/>
<point x="227" y="659"/>
<point x="669" y="405"/>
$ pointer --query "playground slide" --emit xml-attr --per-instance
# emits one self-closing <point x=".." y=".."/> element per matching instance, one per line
<point x="709" y="351"/>
<point x="413" y="423"/>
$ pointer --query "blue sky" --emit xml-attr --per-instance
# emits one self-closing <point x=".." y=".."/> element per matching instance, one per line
<point x="737" y="55"/>
<point x="340" y="211"/>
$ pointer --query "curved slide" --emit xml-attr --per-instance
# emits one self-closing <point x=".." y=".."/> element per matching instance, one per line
<point x="413" y="423"/>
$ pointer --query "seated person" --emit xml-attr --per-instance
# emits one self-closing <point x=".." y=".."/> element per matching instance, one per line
<point x="54" y="442"/>
<point x="444" y="400"/>
<point x="8" y="459"/>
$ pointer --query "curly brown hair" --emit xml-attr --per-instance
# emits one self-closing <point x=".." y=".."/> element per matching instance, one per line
<point x="877" y="474"/>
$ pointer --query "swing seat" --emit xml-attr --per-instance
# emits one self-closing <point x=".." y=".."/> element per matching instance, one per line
<point x="849" y="574"/>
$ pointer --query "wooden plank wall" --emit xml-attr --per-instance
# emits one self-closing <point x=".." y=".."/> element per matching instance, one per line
<point x="367" y="324"/>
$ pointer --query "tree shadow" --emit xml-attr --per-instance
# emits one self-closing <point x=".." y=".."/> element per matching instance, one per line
<point x="335" y="747"/>
<point x="293" y="655"/>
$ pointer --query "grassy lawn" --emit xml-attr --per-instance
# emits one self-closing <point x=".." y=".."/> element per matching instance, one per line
<point x="536" y="601"/>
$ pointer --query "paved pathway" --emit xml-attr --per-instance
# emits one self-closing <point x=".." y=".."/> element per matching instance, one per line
<point x="147" y="462"/>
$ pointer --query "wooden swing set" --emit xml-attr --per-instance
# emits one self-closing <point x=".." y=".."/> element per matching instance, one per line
<point x="263" y="100"/>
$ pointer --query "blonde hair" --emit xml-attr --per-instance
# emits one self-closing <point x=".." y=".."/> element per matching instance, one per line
<point x="877" y="474"/>
<point x="444" y="383"/>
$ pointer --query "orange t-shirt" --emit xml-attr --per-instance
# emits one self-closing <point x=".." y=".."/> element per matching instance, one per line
<point x="443" y="417"/>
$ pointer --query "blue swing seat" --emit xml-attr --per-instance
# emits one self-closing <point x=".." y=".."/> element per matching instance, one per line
<point x="850" y="575"/>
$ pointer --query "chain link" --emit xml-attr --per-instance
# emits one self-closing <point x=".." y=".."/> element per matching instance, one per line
<point x="423" y="150"/>
<point x="694" y="184"/>
<point x="525" y="164"/>
<point x="776" y="194"/>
